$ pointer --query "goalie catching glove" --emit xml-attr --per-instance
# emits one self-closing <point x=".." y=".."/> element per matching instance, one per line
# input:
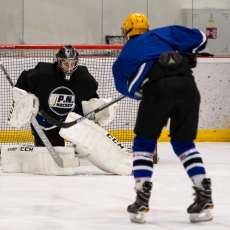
<point x="103" y="117"/>
<point x="24" y="106"/>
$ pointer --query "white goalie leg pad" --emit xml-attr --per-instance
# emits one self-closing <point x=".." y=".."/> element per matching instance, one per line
<point x="93" y="141"/>
<point x="37" y="160"/>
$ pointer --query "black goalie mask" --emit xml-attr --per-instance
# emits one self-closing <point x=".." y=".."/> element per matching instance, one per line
<point x="67" y="59"/>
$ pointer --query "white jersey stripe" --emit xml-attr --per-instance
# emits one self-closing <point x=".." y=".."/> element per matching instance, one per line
<point x="140" y="71"/>
<point x="204" y="39"/>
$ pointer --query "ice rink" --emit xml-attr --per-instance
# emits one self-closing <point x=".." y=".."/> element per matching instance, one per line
<point x="94" y="200"/>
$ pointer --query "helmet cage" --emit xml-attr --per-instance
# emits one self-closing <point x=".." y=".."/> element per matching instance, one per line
<point x="67" y="59"/>
<point x="68" y="65"/>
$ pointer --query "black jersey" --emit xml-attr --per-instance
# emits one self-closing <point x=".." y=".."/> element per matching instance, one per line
<point x="58" y="96"/>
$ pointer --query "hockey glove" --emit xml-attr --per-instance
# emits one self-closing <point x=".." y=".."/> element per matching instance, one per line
<point x="104" y="117"/>
<point x="24" y="106"/>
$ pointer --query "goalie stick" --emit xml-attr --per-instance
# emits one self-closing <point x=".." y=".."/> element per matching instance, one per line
<point x="36" y="126"/>
<point x="89" y="115"/>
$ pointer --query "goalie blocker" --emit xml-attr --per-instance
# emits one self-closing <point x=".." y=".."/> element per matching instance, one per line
<point x="94" y="142"/>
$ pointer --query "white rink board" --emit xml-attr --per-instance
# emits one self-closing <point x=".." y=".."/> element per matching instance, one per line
<point x="213" y="80"/>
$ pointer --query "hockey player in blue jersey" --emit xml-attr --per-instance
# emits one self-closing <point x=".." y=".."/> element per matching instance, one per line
<point x="155" y="67"/>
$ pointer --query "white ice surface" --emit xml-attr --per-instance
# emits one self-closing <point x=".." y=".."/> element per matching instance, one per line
<point x="94" y="200"/>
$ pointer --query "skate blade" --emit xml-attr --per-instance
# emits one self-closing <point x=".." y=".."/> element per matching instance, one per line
<point x="137" y="218"/>
<point x="206" y="215"/>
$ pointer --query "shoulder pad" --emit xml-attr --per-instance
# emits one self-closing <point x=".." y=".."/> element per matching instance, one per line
<point x="82" y="68"/>
<point x="45" y="67"/>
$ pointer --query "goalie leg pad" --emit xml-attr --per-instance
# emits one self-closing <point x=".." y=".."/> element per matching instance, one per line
<point x="93" y="141"/>
<point x="37" y="160"/>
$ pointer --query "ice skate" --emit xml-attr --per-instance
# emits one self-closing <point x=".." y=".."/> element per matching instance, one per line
<point x="200" y="209"/>
<point x="140" y="207"/>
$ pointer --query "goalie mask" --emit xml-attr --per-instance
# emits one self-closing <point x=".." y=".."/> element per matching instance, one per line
<point x="67" y="59"/>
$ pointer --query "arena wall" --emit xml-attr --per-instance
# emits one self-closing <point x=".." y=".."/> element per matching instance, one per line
<point x="212" y="77"/>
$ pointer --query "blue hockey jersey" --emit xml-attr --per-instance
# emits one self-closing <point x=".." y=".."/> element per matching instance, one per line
<point x="140" y="53"/>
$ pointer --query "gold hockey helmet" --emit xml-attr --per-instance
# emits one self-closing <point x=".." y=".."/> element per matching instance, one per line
<point x="135" y="24"/>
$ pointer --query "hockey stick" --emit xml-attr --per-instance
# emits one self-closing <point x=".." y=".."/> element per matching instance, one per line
<point x="89" y="115"/>
<point x="36" y="126"/>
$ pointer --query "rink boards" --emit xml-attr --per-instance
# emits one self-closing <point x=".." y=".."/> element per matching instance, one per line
<point x="212" y="77"/>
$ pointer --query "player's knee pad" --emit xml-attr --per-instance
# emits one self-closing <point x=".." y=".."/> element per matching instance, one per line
<point x="181" y="147"/>
<point x="143" y="145"/>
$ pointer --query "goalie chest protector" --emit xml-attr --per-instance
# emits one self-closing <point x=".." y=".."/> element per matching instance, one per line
<point x="58" y="96"/>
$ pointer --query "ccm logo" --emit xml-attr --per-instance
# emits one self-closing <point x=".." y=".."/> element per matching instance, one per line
<point x="114" y="140"/>
<point x="26" y="148"/>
